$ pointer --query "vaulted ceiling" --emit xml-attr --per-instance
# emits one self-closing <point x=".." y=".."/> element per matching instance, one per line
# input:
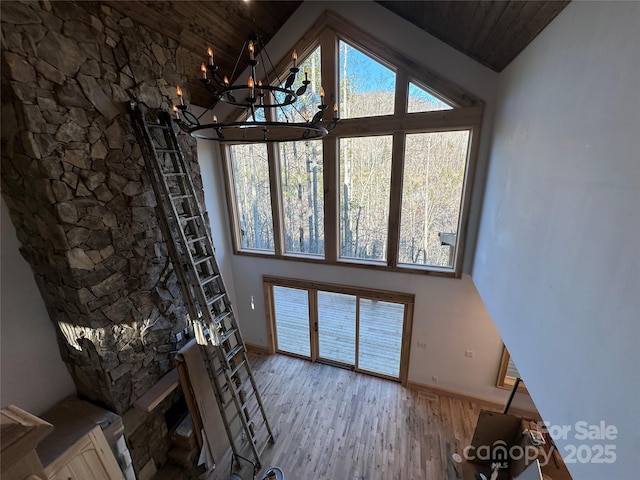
<point x="491" y="32"/>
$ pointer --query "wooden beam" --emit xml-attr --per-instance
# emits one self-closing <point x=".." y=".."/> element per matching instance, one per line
<point x="438" y="121"/>
<point x="395" y="205"/>
<point x="158" y="392"/>
<point x="372" y="294"/>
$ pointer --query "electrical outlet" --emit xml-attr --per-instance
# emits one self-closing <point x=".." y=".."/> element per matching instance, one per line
<point x="434" y="379"/>
<point x="422" y="345"/>
<point x="469" y="353"/>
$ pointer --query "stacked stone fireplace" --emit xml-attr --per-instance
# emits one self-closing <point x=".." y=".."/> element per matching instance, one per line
<point x="79" y="196"/>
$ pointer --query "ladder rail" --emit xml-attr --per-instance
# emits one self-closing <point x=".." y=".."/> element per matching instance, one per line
<point x="195" y="312"/>
<point x="147" y="150"/>
<point x="211" y="311"/>
<point x="208" y="246"/>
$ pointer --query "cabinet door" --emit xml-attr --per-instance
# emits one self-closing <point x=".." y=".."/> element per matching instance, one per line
<point x="89" y="458"/>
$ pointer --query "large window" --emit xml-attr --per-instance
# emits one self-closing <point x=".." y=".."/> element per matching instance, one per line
<point x="387" y="188"/>
<point x="434" y="166"/>
<point x="301" y="181"/>
<point x="253" y="194"/>
<point x="365" y="180"/>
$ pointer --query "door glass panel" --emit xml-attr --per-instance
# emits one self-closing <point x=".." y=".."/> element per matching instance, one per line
<point x="337" y="327"/>
<point x="292" y="320"/>
<point x="380" y="337"/>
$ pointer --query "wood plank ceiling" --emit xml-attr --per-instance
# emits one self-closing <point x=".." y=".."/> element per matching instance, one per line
<point x="491" y="32"/>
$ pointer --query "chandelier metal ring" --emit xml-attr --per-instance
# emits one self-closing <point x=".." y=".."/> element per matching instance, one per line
<point x="268" y="94"/>
<point x="245" y="132"/>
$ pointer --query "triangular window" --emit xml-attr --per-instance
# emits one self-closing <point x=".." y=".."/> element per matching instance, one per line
<point x="367" y="88"/>
<point x="420" y="100"/>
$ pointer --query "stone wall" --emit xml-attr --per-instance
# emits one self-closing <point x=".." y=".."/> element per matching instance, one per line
<point x="80" y="198"/>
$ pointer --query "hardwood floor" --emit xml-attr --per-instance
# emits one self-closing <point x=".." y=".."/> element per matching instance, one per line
<point x="337" y="424"/>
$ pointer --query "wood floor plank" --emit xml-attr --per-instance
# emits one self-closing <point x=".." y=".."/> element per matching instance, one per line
<point x="333" y="423"/>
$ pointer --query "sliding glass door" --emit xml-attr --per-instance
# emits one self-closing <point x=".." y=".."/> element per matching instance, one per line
<point x="350" y="327"/>
<point x="337" y="327"/>
<point x="380" y="336"/>
<point x="292" y="325"/>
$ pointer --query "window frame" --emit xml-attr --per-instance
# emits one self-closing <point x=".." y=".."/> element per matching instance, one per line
<point x="504" y="381"/>
<point x="466" y="114"/>
<point x="312" y="287"/>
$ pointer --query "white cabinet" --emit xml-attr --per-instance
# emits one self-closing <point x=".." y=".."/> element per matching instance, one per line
<point x="89" y="457"/>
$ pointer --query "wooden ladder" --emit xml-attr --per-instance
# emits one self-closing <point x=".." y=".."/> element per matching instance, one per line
<point x="209" y="307"/>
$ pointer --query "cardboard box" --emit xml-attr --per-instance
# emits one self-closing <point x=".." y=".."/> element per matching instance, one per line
<point x="502" y="440"/>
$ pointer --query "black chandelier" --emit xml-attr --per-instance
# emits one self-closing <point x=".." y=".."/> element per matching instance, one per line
<point x="270" y="106"/>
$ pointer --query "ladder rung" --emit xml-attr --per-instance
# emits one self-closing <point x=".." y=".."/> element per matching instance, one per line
<point x="209" y="279"/>
<point x="181" y="197"/>
<point x="196" y="239"/>
<point x="215" y="299"/>
<point x="227" y="335"/>
<point x="174" y="174"/>
<point x="220" y="318"/>
<point x="250" y="396"/>
<point x="237" y="368"/>
<point x="188" y="219"/>
<point x="266" y="442"/>
<point x="225" y="388"/>
<point x="248" y="417"/>
<point x="198" y="261"/>
<point x="166" y="150"/>
<point x="234" y="351"/>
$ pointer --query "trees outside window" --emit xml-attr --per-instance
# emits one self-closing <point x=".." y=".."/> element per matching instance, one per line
<point x="434" y="167"/>
<point x="302" y="187"/>
<point x="253" y="194"/>
<point x="365" y="182"/>
<point x="386" y="188"/>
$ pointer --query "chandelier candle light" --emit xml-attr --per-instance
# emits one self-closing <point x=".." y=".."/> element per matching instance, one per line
<point x="270" y="110"/>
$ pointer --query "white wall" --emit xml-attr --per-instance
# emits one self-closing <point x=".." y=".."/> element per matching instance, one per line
<point x="557" y="261"/>
<point x="449" y="314"/>
<point x="33" y="376"/>
<point x="214" y="197"/>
